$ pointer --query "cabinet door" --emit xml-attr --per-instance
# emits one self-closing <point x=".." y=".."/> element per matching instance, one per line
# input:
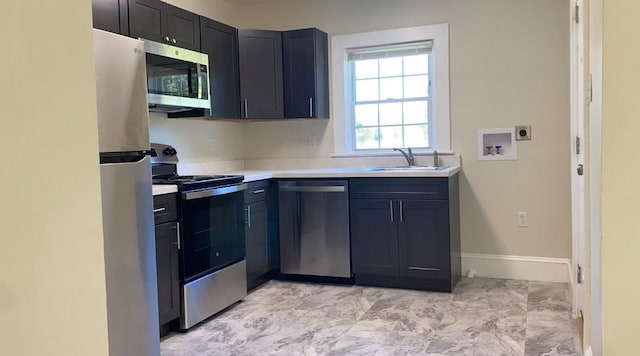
<point x="183" y="28"/>
<point x="424" y="238"/>
<point x="257" y="241"/>
<point x="167" y="272"/>
<point x="374" y="237"/>
<point x="220" y="43"/>
<point x="111" y="15"/>
<point x="260" y="54"/>
<point x="148" y="20"/>
<point x="306" y="73"/>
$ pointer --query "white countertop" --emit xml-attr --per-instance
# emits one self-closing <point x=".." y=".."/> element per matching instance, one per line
<point x="159" y="189"/>
<point x="250" y="176"/>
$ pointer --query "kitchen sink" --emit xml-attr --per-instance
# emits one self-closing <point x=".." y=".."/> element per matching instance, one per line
<point x="405" y="168"/>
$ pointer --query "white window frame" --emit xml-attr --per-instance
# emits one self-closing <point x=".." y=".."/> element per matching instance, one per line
<point x="343" y="125"/>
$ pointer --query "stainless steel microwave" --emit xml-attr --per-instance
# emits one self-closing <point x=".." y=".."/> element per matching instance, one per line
<point x="177" y="80"/>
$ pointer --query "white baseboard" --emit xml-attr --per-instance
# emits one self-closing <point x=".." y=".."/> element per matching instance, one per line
<point x="543" y="269"/>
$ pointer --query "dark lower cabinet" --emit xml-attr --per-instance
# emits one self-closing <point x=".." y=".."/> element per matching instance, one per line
<point x="260" y="233"/>
<point x="111" y="15"/>
<point x="405" y="232"/>
<point x="220" y="43"/>
<point x="306" y="73"/>
<point x="257" y="240"/>
<point x="165" y="215"/>
<point x="374" y="237"/>
<point x="167" y="272"/>
<point x="261" y="86"/>
<point x="423" y="243"/>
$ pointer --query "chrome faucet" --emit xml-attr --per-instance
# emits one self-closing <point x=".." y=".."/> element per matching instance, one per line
<point x="408" y="156"/>
<point x="435" y="159"/>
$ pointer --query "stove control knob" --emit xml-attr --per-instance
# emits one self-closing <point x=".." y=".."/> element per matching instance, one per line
<point x="169" y="151"/>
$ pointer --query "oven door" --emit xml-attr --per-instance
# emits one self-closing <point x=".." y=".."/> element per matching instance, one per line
<point x="212" y="224"/>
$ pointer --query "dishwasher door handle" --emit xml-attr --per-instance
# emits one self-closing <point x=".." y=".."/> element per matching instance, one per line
<point x="316" y="189"/>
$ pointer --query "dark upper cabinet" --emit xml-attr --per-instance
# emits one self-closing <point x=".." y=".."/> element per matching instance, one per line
<point x="167" y="272"/>
<point x="220" y="43"/>
<point x="111" y="15"/>
<point x="157" y="21"/>
<point x="183" y="28"/>
<point x="374" y="237"/>
<point x="306" y="73"/>
<point x="261" y="87"/>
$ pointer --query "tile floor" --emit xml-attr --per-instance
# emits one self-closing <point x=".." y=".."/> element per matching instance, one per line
<point x="482" y="316"/>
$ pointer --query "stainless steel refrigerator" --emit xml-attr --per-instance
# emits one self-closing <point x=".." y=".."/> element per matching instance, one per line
<point x="127" y="202"/>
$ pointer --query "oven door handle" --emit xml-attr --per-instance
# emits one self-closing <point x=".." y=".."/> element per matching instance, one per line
<point x="198" y="194"/>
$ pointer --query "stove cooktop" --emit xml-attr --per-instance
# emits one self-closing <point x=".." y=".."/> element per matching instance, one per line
<point x="198" y="182"/>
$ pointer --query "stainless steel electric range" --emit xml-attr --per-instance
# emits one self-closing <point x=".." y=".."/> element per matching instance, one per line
<point x="212" y="241"/>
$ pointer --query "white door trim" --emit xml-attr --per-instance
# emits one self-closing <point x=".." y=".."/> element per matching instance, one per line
<point x="595" y="167"/>
<point x="578" y="212"/>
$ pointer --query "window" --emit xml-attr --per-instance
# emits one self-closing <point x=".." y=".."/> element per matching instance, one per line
<point x="391" y="89"/>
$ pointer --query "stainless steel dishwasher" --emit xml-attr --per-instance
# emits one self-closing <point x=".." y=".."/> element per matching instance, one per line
<point x="314" y="228"/>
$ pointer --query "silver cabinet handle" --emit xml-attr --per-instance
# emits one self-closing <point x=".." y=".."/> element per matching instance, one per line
<point x="258" y="191"/>
<point x="249" y="216"/>
<point x="246" y="108"/>
<point x="177" y="227"/>
<point x="310" y="107"/>
<point x="391" y="209"/>
<point x="424" y="269"/>
<point x="166" y="38"/>
<point x="159" y="210"/>
<point x="316" y="189"/>
<point x="174" y="40"/>
<point x="401" y="212"/>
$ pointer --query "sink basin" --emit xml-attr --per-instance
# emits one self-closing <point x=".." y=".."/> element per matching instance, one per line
<point x="405" y="168"/>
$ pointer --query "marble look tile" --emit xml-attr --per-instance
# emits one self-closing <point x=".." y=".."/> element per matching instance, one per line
<point x="452" y="343"/>
<point x="481" y="317"/>
<point x="544" y="341"/>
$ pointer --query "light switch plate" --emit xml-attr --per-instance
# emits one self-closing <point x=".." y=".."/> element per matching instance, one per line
<point x="523" y="132"/>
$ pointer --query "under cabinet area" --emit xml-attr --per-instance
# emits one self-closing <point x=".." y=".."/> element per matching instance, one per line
<point x="405" y="232"/>
<point x="167" y="259"/>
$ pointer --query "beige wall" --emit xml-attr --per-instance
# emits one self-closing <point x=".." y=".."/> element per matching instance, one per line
<point x="509" y="65"/>
<point x="621" y="174"/>
<point x="52" y="286"/>
<point x="192" y="138"/>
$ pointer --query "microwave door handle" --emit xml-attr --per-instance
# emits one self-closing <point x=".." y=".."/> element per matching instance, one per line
<point x="199" y="79"/>
<point x="190" y="82"/>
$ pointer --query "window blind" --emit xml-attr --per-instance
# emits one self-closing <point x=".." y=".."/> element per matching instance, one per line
<point x="393" y="50"/>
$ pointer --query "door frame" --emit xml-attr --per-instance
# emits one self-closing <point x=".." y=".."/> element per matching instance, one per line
<point x="595" y="167"/>
<point x="577" y="132"/>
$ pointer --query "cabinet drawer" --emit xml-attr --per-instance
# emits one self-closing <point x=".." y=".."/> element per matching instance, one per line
<point x="165" y="208"/>
<point x="256" y="191"/>
<point x="435" y="188"/>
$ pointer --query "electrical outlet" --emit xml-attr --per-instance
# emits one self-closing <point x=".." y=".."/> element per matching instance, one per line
<point x="523" y="219"/>
<point x="213" y="144"/>
<point x="313" y="141"/>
